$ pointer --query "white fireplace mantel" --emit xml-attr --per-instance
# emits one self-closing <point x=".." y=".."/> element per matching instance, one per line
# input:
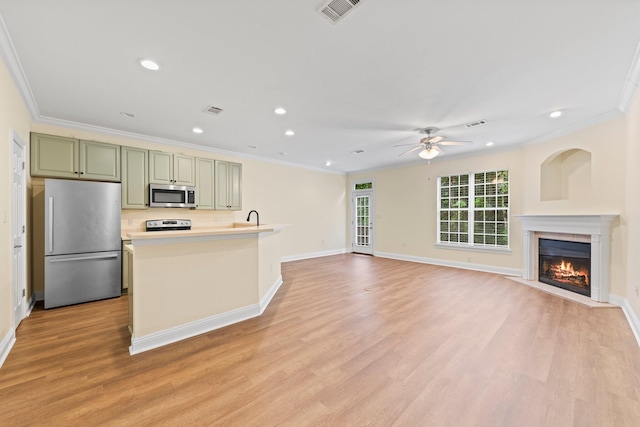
<point x="598" y="227"/>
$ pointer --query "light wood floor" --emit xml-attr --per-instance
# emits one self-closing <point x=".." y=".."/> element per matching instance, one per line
<point x="348" y="340"/>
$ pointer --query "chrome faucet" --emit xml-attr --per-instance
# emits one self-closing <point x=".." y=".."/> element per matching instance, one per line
<point x="257" y="217"/>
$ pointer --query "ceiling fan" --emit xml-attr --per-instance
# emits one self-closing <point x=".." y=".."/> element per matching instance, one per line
<point x="430" y="144"/>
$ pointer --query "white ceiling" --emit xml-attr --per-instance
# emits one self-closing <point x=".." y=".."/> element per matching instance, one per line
<point x="365" y="83"/>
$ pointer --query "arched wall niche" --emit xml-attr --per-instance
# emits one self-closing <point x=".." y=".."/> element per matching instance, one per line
<point x="566" y="175"/>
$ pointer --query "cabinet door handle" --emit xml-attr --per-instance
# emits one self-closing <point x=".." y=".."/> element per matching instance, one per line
<point x="81" y="173"/>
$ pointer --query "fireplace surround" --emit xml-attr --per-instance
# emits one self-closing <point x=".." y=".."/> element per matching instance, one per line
<point x="595" y="229"/>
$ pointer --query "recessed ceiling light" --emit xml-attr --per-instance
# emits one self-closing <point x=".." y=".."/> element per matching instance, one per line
<point x="129" y="115"/>
<point x="489" y="144"/>
<point x="149" y="64"/>
<point x="289" y="133"/>
<point x="197" y="130"/>
<point x="555" y="114"/>
<point x="328" y="163"/>
<point x="280" y="111"/>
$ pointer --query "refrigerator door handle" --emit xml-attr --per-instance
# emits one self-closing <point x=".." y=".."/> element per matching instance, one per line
<point x="50" y="224"/>
<point x="83" y="258"/>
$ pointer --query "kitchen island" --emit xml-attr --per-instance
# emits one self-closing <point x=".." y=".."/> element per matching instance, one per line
<point x="188" y="282"/>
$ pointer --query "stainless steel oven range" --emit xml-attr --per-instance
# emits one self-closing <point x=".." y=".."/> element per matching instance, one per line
<point x="168" y="224"/>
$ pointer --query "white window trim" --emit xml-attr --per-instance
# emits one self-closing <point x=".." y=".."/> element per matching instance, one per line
<point x="470" y="245"/>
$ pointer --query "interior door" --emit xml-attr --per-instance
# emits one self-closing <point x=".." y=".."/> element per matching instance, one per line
<point x="18" y="229"/>
<point x="362" y="222"/>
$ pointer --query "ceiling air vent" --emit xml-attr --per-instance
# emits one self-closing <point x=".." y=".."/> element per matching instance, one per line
<point x="474" y="124"/>
<point x="213" y="110"/>
<point x="335" y="10"/>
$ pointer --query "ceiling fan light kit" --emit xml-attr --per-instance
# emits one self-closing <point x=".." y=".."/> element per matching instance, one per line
<point x="429" y="153"/>
<point x="430" y="144"/>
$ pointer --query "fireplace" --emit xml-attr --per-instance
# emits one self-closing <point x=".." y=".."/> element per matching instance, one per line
<point x="592" y="229"/>
<point x="565" y="264"/>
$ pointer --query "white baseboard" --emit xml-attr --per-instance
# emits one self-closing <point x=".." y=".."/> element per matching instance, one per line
<point x="631" y="316"/>
<point x="455" y="264"/>
<point x="32" y="303"/>
<point x="266" y="298"/>
<point x="188" y="330"/>
<point x="202" y="326"/>
<point x="314" y="255"/>
<point x="6" y="345"/>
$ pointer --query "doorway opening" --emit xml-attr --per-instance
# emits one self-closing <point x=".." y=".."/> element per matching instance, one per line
<point x="18" y="229"/>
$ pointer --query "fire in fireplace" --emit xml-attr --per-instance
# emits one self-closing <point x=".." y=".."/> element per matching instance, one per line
<point x="564" y="264"/>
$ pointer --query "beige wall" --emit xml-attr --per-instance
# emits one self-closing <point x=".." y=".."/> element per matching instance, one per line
<point x="13" y="116"/>
<point x="632" y="214"/>
<point x="406" y="208"/>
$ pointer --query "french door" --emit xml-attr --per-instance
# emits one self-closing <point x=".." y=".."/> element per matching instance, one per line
<point x="362" y="222"/>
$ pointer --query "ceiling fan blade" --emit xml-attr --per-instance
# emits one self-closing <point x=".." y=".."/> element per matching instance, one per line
<point x="436" y="139"/>
<point x="455" y="142"/>
<point x="402" y="141"/>
<point x="404" y="145"/>
<point x="438" y="149"/>
<point x="417" y="147"/>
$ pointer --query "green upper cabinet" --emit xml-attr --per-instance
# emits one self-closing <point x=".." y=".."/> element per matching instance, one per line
<point x="135" y="178"/>
<point x="228" y="185"/>
<point x="168" y="168"/>
<point x="99" y="161"/>
<point x="160" y="167"/>
<point x="61" y="157"/>
<point x="184" y="170"/>
<point x="205" y="180"/>
<point x="55" y="156"/>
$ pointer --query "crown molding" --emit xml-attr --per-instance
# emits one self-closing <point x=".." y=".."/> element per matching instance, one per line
<point x="612" y="114"/>
<point x="10" y="59"/>
<point x="631" y="84"/>
<point x="174" y="143"/>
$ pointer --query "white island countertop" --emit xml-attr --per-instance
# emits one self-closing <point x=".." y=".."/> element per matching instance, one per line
<point x="234" y="229"/>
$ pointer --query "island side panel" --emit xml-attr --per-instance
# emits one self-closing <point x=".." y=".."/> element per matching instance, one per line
<point x="269" y="265"/>
<point x="181" y="282"/>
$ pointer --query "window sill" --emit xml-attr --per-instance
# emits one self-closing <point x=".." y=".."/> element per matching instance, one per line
<point x="464" y="247"/>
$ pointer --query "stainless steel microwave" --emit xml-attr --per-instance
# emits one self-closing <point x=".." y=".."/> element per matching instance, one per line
<point x="172" y="196"/>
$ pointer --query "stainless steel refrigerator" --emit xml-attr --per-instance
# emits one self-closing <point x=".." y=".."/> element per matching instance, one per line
<point x="82" y="242"/>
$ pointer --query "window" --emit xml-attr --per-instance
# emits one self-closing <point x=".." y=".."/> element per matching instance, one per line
<point x="474" y="209"/>
<point x="363" y="186"/>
